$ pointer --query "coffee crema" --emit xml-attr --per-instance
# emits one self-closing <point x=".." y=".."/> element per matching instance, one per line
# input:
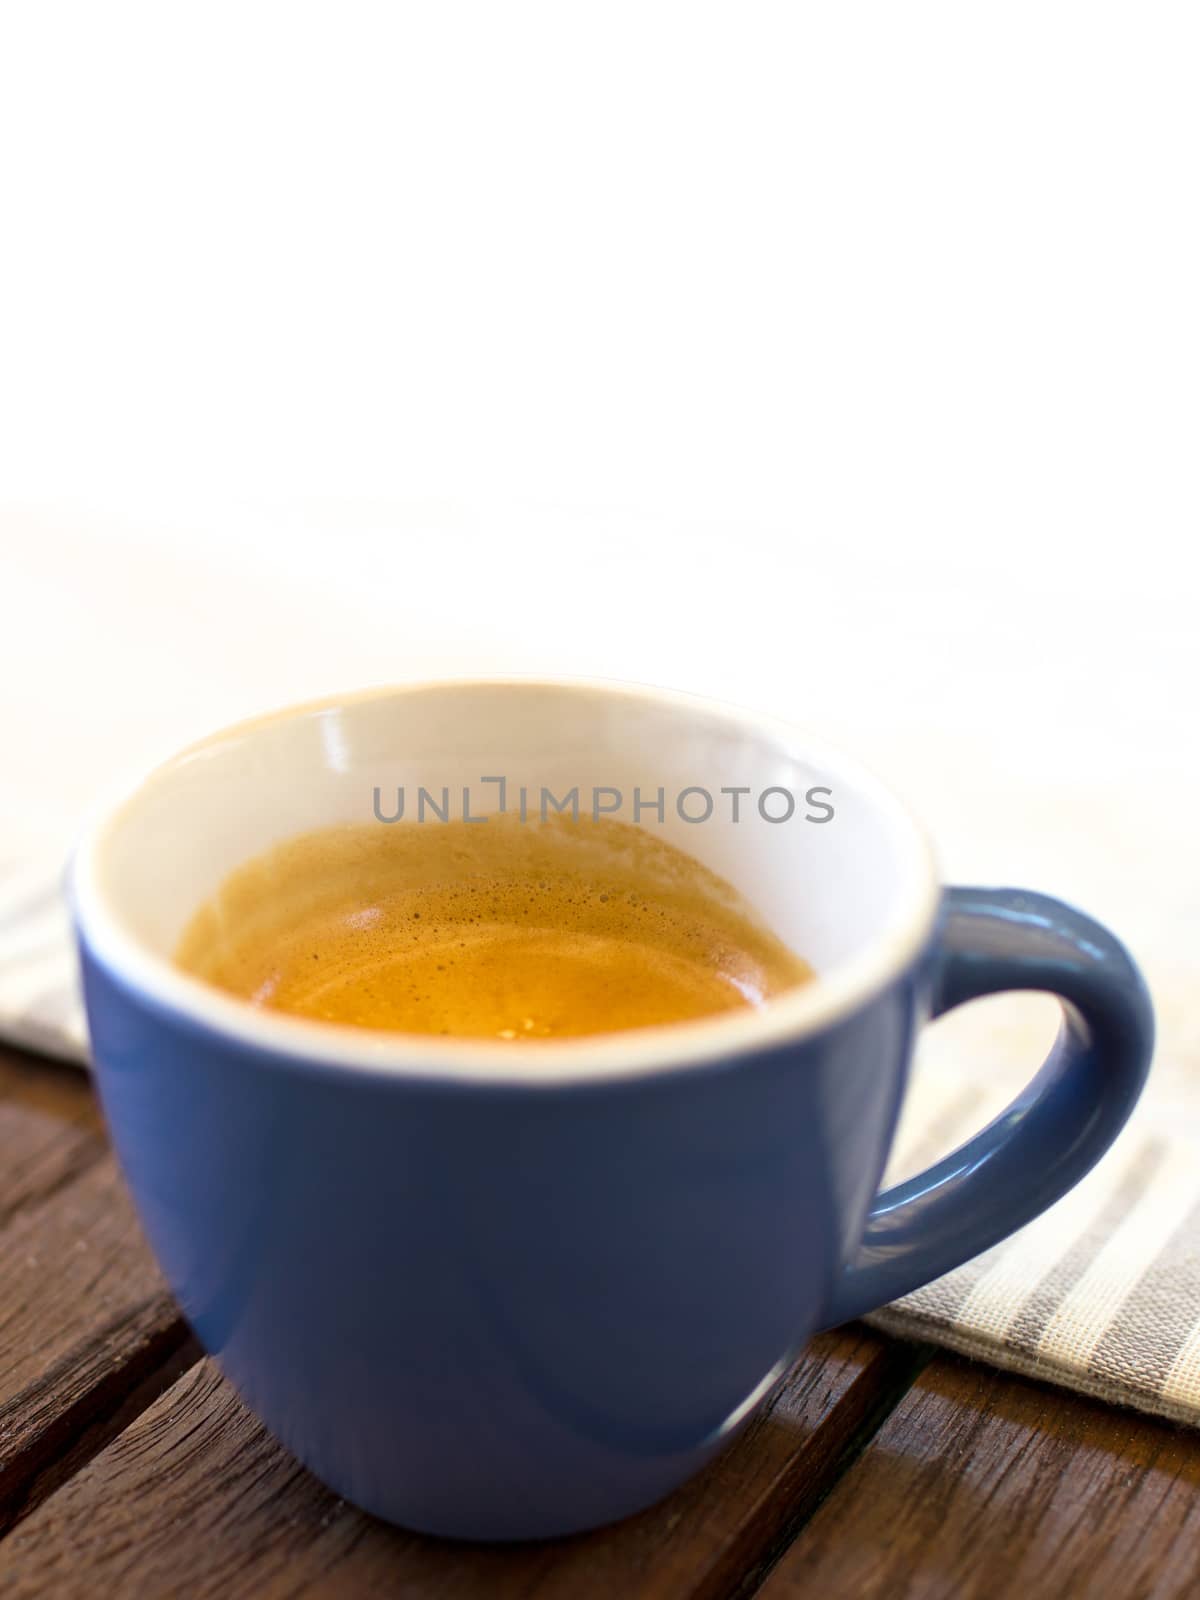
<point x="503" y="930"/>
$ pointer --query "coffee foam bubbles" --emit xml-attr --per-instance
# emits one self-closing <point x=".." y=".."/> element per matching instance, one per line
<point x="503" y="930"/>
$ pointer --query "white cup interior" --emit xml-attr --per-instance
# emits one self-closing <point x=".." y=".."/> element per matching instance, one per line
<point x="854" y="894"/>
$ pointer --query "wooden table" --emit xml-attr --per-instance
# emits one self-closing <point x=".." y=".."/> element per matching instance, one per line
<point x="127" y="1467"/>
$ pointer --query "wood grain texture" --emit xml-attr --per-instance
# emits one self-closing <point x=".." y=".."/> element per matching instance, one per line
<point x="981" y="1486"/>
<point x="50" y="1129"/>
<point x="195" y="1498"/>
<point x="84" y="1317"/>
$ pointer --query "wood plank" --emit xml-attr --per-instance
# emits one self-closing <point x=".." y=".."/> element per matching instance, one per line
<point x="196" y="1498"/>
<point x="984" y="1485"/>
<point x="85" y="1319"/>
<point x="50" y="1129"/>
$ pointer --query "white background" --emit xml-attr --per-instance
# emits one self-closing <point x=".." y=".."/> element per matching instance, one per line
<point x="843" y="359"/>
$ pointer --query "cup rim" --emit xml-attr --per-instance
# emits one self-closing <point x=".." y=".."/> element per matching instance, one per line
<point x="325" y="1047"/>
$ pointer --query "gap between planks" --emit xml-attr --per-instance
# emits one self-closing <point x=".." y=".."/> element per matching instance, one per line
<point x="984" y="1486"/>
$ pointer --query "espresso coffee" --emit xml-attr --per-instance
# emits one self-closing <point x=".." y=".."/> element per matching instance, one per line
<point x="498" y="930"/>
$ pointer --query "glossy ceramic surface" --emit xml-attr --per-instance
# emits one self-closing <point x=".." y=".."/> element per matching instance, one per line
<point x="515" y="1301"/>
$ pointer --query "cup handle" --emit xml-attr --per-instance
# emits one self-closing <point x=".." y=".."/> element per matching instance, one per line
<point x="1046" y="1139"/>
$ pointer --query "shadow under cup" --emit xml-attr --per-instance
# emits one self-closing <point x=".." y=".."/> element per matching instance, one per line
<point x="508" y="1291"/>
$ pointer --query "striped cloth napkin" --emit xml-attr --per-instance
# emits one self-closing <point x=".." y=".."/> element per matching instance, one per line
<point x="40" y="1004"/>
<point x="1101" y="1293"/>
<point x="1070" y="772"/>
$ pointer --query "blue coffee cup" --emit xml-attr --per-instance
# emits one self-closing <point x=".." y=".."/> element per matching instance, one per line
<point x="499" y="1292"/>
